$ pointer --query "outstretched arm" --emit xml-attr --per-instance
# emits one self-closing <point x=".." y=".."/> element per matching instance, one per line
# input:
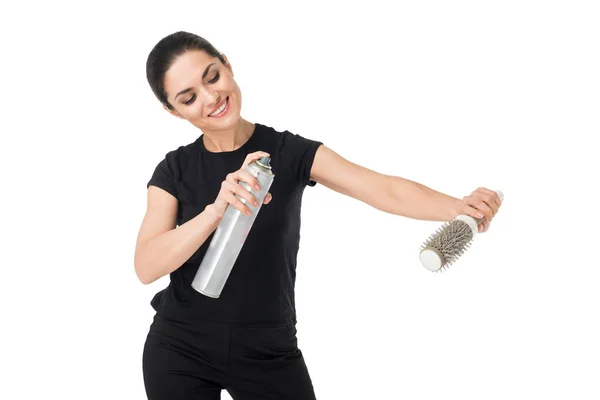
<point x="396" y="195"/>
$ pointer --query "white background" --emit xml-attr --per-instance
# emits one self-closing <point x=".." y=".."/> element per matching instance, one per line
<point x="454" y="95"/>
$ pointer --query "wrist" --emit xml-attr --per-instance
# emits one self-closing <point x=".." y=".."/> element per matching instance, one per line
<point x="455" y="209"/>
<point x="213" y="212"/>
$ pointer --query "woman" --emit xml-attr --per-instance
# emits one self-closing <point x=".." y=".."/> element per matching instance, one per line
<point x="245" y="340"/>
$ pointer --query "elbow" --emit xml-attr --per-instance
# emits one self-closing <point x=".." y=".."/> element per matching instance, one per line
<point x="141" y="271"/>
<point x="142" y="276"/>
<point x="144" y="279"/>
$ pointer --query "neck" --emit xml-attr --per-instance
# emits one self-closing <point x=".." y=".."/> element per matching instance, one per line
<point x="228" y="139"/>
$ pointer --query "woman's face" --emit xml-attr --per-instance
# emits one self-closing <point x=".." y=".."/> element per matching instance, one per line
<point x="202" y="90"/>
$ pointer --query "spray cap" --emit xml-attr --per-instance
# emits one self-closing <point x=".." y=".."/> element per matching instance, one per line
<point x="265" y="161"/>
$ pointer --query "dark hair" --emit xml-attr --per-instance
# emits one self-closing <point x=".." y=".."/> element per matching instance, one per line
<point x="164" y="54"/>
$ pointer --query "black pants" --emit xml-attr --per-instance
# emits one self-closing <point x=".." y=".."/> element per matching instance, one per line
<point x="183" y="362"/>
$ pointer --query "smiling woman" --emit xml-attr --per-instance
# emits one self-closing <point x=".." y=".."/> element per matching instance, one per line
<point x="245" y="340"/>
<point x="195" y="82"/>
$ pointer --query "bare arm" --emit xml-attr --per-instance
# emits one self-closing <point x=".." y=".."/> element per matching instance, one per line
<point x="161" y="248"/>
<point x="396" y="195"/>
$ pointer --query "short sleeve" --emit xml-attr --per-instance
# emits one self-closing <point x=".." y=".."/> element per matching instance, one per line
<point x="164" y="177"/>
<point x="301" y="152"/>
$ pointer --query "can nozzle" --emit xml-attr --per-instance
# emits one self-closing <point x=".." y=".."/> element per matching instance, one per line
<point x="265" y="161"/>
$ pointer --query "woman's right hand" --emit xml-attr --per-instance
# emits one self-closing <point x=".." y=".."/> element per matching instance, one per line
<point x="231" y="186"/>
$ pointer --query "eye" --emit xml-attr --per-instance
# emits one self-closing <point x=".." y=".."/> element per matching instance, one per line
<point x="216" y="78"/>
<point x="190" y="101"/>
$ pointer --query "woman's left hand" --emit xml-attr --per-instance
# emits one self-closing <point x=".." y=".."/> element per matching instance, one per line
<point x="482" y="201"/>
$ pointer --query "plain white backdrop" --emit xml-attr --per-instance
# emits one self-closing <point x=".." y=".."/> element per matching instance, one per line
<point x="454" y="95"/>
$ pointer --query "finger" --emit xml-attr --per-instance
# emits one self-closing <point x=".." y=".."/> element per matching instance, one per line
<point x="470" y="208"/>
<point x="241" y="191"/>
<point x="489" y="201"/>
<point x="245" y="176"/>
<point x="487" y="226"/>
<point x="492" y="195"/>
<point x="232" y="177"/>
<point x="254" y="156"/>
<point x="268" y="198"/>
<point x="483" y="226"/>
<point x="237" y="203"/>
<point x="472" y="212"/>
<point x="477" y="203"/>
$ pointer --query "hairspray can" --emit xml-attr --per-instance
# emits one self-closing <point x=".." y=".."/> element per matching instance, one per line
<point x="231" y="234"/>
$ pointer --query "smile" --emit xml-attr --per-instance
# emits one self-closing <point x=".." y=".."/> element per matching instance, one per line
<point x="221" y="110"/>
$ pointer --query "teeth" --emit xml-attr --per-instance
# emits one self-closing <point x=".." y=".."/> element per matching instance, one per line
<point x="220" y="110"/>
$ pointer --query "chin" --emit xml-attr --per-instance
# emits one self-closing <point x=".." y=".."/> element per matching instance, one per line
<point x="219" y="124"/>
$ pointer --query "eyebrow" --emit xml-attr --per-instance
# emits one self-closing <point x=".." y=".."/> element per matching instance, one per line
<point x="184" y="91"/>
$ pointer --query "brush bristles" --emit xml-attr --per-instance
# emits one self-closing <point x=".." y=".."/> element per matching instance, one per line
<point x="451" y="240"/>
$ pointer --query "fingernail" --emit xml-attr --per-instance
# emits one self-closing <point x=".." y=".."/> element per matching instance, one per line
<point x="248" y="212"/>
<point x="256" y="187"/>
<point x="479" y="215"/>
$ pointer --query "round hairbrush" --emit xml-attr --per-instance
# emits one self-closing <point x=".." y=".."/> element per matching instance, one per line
<point x="450" y="241"/>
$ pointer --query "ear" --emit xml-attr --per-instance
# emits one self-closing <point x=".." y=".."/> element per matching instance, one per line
<point x="227" y="64"/>
<point x="173" y="112"/>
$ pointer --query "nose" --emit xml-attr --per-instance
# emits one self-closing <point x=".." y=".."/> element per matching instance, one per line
<point x="209" y="98"/>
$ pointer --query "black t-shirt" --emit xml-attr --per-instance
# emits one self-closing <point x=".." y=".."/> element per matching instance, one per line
<point x="260" y="287"/>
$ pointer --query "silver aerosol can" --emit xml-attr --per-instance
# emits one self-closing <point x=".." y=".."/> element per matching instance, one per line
<point x="231" y="234"/>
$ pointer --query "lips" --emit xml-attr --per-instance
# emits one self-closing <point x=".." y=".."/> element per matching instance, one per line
<point x="221" y="109"/>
